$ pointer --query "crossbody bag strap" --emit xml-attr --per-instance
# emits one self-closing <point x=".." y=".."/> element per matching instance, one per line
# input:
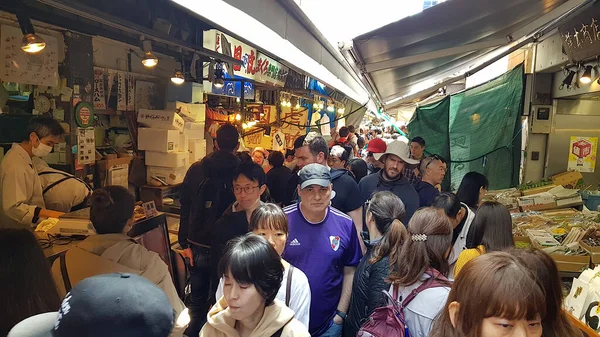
<point x="63" y="271"/>
<point x="288" y="288"/>
<point x="435" y="281"/>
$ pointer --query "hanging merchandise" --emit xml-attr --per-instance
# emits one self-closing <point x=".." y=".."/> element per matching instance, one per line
<point x="110" y="83"/>
<point x="582" y="154"/>
<point x="99" y="93"/>
<point x="130" y="92"/>
<point x="278" y="141"/>
<point x="121" y="92"/>
<point x="86" y="141"/>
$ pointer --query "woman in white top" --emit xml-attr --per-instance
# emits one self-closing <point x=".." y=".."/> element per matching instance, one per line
<point x="270" y="221"/>
<point x="422" y="254"/>
<point x="21" y="201"/>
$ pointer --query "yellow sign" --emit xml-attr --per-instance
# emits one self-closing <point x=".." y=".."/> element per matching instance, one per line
<point x="291" y="132"/>
<point x="582" y="154"/>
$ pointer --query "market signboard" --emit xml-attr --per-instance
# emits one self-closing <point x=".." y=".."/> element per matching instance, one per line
<point x="581" y="35"/>
<point x="582" y="154"/>
<point x="269" y="71"/>
<point x="227" y="45"/>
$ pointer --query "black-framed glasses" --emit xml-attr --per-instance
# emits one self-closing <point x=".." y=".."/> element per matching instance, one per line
<point x="247" y="189"/>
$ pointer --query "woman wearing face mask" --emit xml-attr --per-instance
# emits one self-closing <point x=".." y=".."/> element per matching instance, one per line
<point x="111" y="250"/>
<point x="270" y="222"/>
<point x="22" y="202"/>
<point x="494" y="295"/>
<point x="252" y="272"/>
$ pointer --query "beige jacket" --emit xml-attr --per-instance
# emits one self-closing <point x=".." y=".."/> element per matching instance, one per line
<point x="220" y="323"/>
<point x="130" y="257"/>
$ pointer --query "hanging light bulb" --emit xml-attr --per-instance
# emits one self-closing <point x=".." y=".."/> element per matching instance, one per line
<point x="178" y="78"/>
<point x="149" y="60"/>
<point x="244" y="126"/>
<point x="341" y="111"/>
<point x="321" y="105"/>
<point x="316" y="105"/>
<point x="32" y="43"/>
<point x="297" y="106"/>
<point x="218" y="82"/>
<point x="587" y="75"/>
<point x="238" y="117"/>
<point x="288" y="104"/>
<point x="283" y="103"/>
<point x="237" y="99"/>
<point x="330" y="108"/>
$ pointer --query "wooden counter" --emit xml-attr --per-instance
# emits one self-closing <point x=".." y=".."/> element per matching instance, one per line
<point x="582" y="326"/>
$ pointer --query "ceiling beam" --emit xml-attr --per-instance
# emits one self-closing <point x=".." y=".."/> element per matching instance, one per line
<point x="407" y="60"/>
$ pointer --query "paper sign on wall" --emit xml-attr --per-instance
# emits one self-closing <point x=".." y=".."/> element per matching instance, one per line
<point x="130" y="93"/>
<point x="86" y="141"/>
<point x="278" y="141"/>
<point x="582" y="154"/>
<point x="20" y="67"/>
<point x="99" y="93"/>
<point x="121" y="93"/>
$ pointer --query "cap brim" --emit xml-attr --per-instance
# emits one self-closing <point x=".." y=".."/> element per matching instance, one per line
<point x="378" y="156"/>
<point x="40" y="325"/>
<point x="319" y="182"/>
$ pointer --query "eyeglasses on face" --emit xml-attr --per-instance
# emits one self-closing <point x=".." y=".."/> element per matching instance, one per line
<point x="246" y="189"/>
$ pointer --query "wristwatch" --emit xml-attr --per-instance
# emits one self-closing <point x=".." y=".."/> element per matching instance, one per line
<point x="341" y="314"/>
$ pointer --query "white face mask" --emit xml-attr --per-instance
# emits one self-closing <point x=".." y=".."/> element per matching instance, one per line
<point x="42" y="150"/>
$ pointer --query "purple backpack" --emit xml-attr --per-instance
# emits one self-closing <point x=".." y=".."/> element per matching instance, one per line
<point x="389" y="320"/>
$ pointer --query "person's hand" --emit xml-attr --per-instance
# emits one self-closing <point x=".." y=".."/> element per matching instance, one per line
<point x="46" y="213"/>
<point x="338" y="320"/>
<point x="189" y="254"/>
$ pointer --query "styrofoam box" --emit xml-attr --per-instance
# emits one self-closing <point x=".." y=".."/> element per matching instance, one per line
<point x="198" y="112"/>
<point x="183" y="142"/>
<point x="194" y="130"/>
<point x="159" y="140"/>
<point x="161" y="119"/>
<point x="172" y="159"/>
<point x="170" y="175"/>
<point x="180" y="106"/>
<point x="197" y="149"/>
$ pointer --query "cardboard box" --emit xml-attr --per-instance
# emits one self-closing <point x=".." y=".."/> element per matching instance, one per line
<point x="571" y="263"/>
<point x="537" y="190"/>
<point x="194" y="130"/>
<point x="197" y="150"/>
<point x="159" y="140"/>
<point x="569" y="202"/>
<point x="537" y="202"/>
<point x="171" y="159"/>
<point x="171" y="176"/>
<point x="161" y="119"/>
<point x="594" y="251"/>
<point x="568" y="179"/>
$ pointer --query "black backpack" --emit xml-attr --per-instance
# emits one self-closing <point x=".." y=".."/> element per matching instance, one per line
<point x="213" y="196"/>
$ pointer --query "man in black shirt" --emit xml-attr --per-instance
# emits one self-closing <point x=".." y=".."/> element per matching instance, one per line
<point x="434" y="170"/>
<point x="278" y="176"/>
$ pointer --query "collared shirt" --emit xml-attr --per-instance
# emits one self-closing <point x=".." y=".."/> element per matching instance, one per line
<point x="21" y="189"/>
<point x="409" y="172"/>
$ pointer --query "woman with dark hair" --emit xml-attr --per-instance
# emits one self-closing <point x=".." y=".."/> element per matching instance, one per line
<point x="494" y="296"/>
<point x="358" y="168"/>
<point x="111" y="215"/>
<point x="472" y="189"/>
<point x="252" y="272"/>
<point x="26" y="286"/>
<point x="491" y="231"/>
<point x="422" y="258"/>
<point x="461" y="217"/>
<point x="555" y="323"/>
<point x="270" y="222"/>
<point x="383" y="219"/>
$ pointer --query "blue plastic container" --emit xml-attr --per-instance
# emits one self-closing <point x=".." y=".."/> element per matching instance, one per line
<point x="591" y="199"/>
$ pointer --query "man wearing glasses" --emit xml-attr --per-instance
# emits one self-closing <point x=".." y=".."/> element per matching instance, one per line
<point x="434" y="170"/>
<point x="249" y="183"/>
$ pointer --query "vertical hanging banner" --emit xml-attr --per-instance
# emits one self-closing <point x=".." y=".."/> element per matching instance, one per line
<point x="130" y="92"/>
<point x="99" y="93"/>
<point x="110" y="83"/>
<point x="582" y="154"/>
<point x="121" y="93"/>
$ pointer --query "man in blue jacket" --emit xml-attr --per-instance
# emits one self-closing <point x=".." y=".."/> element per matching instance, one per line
<point x="395" y="159"/>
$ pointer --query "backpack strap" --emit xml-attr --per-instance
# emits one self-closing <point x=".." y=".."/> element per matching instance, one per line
<point x="288" y="288"/>
<point x="63" y="271"/>
<point x="435" y="281"/>
<point x="278" y="332"/>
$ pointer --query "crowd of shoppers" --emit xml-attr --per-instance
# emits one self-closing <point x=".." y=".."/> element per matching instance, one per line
<point x="353" y="233"/>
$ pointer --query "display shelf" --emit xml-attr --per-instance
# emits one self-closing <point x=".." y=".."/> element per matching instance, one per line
<point x="582" y="326"/>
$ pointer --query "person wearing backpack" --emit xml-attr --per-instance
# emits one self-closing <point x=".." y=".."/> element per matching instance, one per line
<point x="383" y="221"/>
<point x="205" y="194"/>
<point x="418" y="272"/>
<point x="252" y="274"/>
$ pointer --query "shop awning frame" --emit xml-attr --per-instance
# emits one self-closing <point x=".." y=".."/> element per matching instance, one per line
<point x="404" y="67"/>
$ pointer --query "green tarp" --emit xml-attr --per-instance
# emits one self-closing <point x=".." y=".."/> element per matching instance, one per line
<point x="477" y="130"/>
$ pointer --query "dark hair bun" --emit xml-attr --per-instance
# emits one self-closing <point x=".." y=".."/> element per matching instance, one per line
<point x="101" y="199"/>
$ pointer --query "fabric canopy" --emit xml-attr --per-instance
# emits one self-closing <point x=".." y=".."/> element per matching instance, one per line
<point x="438" y="42"/>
